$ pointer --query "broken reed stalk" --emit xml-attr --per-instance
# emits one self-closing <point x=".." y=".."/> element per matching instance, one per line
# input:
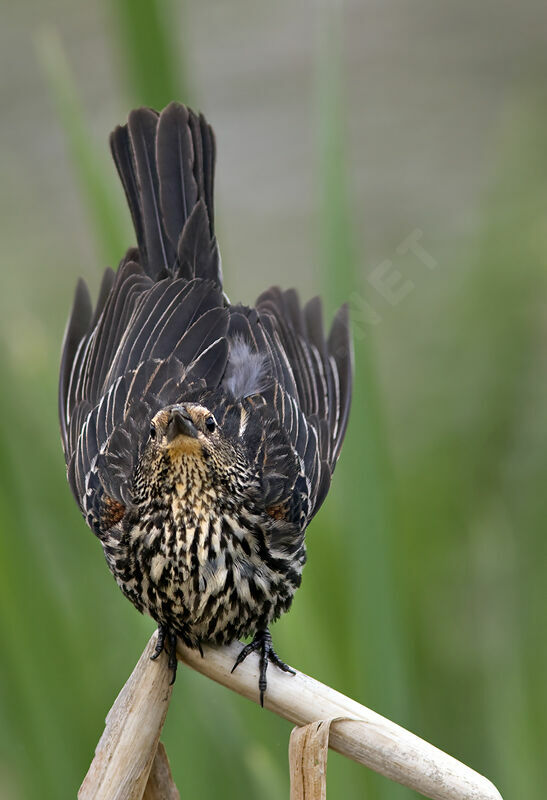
<point x="126" y="751"/>
<point x="128" y="747"/>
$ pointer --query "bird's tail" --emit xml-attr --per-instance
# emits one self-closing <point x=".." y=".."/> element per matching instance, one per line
<point x="166" y="162"/>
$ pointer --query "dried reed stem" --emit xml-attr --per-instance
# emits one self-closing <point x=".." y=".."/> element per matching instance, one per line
<point x="362" y="734"/>
<point x="122" y="767"/>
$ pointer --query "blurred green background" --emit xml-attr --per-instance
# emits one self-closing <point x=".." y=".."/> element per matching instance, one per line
<point x="346" y="131"/>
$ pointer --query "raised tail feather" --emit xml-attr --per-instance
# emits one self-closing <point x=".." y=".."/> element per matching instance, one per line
<point x="166" y="163"/>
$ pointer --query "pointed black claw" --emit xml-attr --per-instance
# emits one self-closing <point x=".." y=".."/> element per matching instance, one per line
<point x="173" y="656"/>
<point x="263" y="643"/>
<point x="249" y="648"/>
<point x="274" y="658"/>
<point x="162" y="632"/>
<point x="167" y="640"/>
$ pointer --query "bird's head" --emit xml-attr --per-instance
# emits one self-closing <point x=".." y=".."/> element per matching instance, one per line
<point x="184" y="429"/>
<point x="186" y="444"/>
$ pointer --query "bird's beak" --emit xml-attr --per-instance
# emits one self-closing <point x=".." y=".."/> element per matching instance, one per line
<point x="180" y="424"/>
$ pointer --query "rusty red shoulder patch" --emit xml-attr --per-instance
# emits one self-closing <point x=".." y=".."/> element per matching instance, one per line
<point x="278" y="511"/>
<point x="112" y="512"/>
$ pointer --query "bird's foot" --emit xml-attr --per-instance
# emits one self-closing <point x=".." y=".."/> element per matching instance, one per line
<point x="167" y="640"/>
<point x="263" y="643"/>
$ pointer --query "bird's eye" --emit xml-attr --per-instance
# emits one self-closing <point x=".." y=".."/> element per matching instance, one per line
<point x="210" y="423"/>
<point x="152" y="432"/>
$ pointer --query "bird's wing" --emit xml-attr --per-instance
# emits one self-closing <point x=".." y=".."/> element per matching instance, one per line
<point x="152" y="344"/>
<point x="279" y="353"/>
<point x="159" y="326"/>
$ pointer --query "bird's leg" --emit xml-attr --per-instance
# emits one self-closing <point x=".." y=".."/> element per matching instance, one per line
<point x="167" y="640"/>
<point x="263" y="643"/>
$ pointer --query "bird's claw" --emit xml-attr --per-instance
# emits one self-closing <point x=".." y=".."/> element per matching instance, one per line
<point x="263" y="643"/>
<point x="167" y="640"/>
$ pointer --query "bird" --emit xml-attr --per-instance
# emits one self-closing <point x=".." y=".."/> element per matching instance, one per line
<point x="200" y="436"/>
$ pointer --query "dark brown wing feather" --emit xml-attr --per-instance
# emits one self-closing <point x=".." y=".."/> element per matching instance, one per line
<point x="159" y="327"/>
<point x="312" y="397"/>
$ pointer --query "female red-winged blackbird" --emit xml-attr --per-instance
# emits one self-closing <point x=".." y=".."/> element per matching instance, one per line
<point x="200" y="437"/>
